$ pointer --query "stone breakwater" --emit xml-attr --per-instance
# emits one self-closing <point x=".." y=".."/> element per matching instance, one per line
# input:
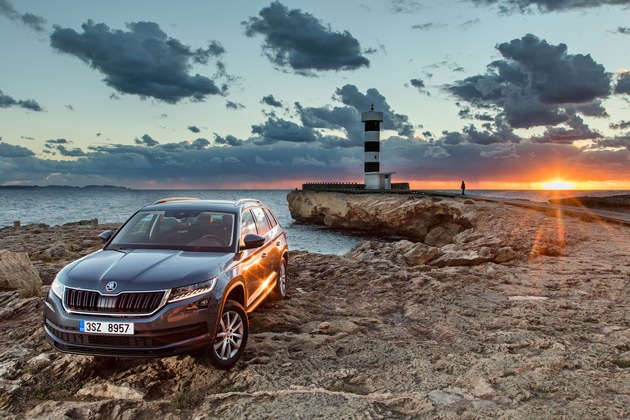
<point x="377" y="333"/>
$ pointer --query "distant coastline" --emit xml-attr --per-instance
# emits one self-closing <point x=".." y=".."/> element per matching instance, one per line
<point x="61" y="187"/>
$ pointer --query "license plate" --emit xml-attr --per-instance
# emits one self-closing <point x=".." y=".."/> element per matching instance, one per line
<point x="121" y="328"/>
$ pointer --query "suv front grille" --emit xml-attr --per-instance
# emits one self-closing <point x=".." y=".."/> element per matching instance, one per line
<point x="125" y="303"/>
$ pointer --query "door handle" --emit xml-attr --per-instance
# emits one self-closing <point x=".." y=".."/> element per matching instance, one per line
<point x="264" y="255"/>
<point x="278" y="243"/>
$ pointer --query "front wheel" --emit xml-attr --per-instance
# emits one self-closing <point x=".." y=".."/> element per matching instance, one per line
<point x="231" y="337"/>
<point x="280" y="289"/>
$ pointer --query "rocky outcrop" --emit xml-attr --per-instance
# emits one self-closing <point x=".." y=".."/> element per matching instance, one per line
<point x="441" y="231"/>
<point x="432" y="220"/>
<point x="17" y="271"/>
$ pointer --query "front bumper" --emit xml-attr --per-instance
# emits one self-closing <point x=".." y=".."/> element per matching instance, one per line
<point x="179" y="327"/>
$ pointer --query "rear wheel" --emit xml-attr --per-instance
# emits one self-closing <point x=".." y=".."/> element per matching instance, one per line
<point x="280" y="289"/>
<point x="231" y="337"/>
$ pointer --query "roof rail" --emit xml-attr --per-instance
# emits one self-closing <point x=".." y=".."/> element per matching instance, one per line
<point x="243" y="200"/>
<point x="168" y="199"/>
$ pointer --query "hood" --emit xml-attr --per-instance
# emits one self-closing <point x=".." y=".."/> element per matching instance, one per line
<point x="142" y="270"/>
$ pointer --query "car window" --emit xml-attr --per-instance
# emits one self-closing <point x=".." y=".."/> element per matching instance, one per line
<point x="261" y="220"/>
<point x="247" y="224"/>
<point x="137" y="230"/>
<point x="271" y="218"/>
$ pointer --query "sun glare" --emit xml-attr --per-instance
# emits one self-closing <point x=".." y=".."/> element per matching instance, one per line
<point x="557" y="185"/>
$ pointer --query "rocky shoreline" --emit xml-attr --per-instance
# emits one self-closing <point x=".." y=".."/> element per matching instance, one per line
<point x="617" y="203"/>
<point x="501" y="312"/>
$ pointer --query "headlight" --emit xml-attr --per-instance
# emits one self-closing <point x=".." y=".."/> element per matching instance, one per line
<point x="57" y="288"/>
<point x="197" y="289"/>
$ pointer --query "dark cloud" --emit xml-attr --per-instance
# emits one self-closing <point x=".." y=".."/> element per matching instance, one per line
<point x="615" y="143"/>
<point x="623" y="83"/>
<point x="76" y="152"/>
<point x="592" y="109"/>
<point x="297" y="41"/>
<point x="621" y="125"/>
<point x="194" y="129"/>
<point x="350" y="95"/>
<point x="535" y="83"/>
<point x="499" y="133"/>
<point x="271" y="101"/>
<point x="32" y="21"/>
<point x="346" y="120"/>
<point x="230" y="140"/>
<point x="11" y="151"/>
<point x="332" y="126"/>
<point x="405" y="6"/>
<point x="199" y="144"/>
<point x="233" y="105"/>
<point x="57" y="141"/>
<point x="419" y="84"/>
<point x="146" y="140"/>
<point x="554" y="75"/>
<point x="142" y="61"/>
<point x="576" y="130"/>
<point x="274" y="130"/>
<point x="548" y="5"/>
<point x="428" y="26"/>
<point x="7" y="101"/>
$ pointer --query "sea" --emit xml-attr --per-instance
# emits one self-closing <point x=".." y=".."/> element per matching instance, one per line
<point x="57" y="206"/>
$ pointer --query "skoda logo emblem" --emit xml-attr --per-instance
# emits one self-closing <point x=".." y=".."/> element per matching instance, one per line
<point x="111" y="286"/>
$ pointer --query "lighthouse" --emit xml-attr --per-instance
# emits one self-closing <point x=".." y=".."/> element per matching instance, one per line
<point x="374" y="178"/>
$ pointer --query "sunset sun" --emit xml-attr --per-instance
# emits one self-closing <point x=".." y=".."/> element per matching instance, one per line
<point x="557" y="184"/>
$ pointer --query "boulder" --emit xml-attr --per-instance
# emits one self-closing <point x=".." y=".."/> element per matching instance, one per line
<point x="17" y="271"/>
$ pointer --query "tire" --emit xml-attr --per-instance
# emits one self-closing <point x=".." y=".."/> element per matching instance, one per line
<point x="231" y="337"/>
<point x="280" y="289"/>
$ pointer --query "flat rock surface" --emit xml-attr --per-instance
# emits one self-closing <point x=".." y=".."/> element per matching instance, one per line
<point x="541" y="332"/>
<point x="617" y="203"/>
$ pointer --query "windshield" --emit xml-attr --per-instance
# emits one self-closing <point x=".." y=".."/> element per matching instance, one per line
<point x="177" y="229"/>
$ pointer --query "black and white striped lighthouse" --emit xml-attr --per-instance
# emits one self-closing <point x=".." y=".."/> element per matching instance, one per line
<point x="374" y="178"/>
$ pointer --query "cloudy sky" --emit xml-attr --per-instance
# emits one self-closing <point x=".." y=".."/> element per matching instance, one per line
<point x="251" y="94"/>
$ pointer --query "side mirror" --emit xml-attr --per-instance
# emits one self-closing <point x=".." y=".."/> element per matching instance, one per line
<point x="252" y="241"/>
<point x="105" y="236"/>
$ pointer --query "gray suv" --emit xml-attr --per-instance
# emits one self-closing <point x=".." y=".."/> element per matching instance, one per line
<point x="180" y="275"/>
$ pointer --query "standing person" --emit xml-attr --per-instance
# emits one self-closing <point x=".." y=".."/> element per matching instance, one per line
<point x="463" y="187"/>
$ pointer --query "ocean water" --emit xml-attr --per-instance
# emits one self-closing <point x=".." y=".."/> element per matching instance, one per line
<point x="59" y="206"/>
